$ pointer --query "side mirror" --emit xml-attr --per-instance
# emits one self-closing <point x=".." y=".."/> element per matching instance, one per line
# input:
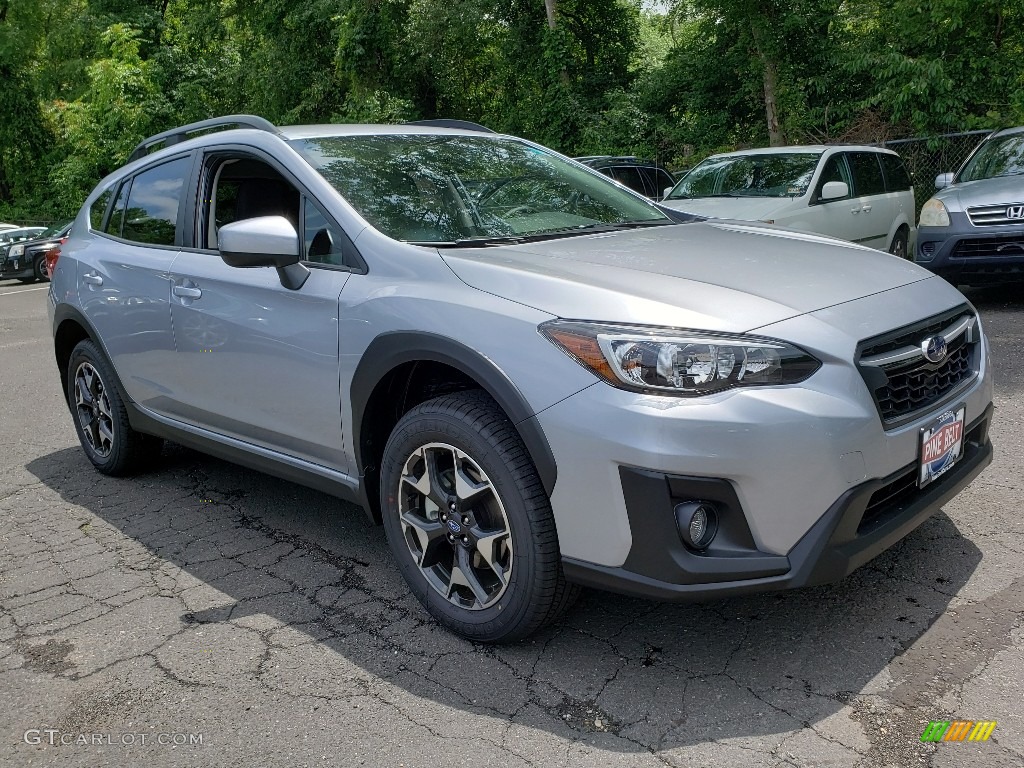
<point x="833" y="190"/>
<point x="264" y="241"/>
<point x="943" y="180"/>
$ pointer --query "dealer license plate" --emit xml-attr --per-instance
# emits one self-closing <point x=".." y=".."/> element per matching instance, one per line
<point x="942" y="445"/>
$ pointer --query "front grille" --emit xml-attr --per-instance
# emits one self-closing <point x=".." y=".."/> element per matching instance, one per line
<point x="990" y="246"/>
<point x="994" y="215"/>
<point x="918" y="386"/>
<point x="906" y="386"/>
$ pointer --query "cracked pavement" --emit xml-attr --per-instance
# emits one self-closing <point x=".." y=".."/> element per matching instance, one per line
<point x="202" y="598"/>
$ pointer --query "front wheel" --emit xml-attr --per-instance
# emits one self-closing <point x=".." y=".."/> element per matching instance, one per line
<point x="469" y="522"/>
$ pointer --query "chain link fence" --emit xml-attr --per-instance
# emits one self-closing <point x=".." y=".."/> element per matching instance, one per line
<point x="927" y="157"/>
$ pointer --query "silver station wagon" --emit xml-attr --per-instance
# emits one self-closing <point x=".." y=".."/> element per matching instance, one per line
<point x="534" y="378"/>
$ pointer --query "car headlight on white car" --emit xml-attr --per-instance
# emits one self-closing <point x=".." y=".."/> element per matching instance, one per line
<point x="16" y="250"/>
<point x="674" y="362"/>
<point x="934" y="214"/>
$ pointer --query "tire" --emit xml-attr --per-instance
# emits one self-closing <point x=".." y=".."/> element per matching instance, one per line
<point x="39" y="270"/>
<point x="101" y="419"/>
<point x="462" y="449"/>
<point x="898" y="247"/>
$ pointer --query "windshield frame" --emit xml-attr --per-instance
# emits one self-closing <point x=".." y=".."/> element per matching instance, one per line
<point x="372" y="172"/>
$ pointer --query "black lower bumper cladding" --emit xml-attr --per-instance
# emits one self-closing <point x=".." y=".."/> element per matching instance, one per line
<point x="660" y="566"/>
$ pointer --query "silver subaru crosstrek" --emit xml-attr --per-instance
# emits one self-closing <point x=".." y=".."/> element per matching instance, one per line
<point x="534" y="378"/>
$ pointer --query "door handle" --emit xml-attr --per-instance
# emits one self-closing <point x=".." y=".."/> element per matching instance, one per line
<point x="185" y="292"/>
<point x="866" y="209"/>
<point x="855" y="211"/>
<point x="92" y="278"/>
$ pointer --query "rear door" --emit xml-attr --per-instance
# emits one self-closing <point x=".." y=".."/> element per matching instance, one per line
<point x="255" y="360"/>
<point x="878" y="208"/>
<point x="124" y="276"/>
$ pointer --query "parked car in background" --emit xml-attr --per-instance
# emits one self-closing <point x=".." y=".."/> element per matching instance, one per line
<point x="10" y="236"/>
<point x="643" y="176"/>
<point x="858" y="193"/>
<point x="534" y="378"/>
<point x="972" y="231"/>
<point x="26" y="260"/>
<point x="7" y="226"/>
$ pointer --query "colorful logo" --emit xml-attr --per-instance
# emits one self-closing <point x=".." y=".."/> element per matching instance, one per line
<point x="958" y="730"/>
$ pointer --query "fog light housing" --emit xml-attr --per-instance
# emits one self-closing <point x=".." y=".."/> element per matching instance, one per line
<point x="697" y="522"/>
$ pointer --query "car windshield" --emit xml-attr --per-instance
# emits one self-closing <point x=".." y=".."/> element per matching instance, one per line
<point x="1002" y="156"/>
<point x="470" y="190"/>
<point x="783" y="174"/>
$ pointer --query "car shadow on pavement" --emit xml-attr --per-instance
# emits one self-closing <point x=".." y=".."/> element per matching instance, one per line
<point x="308" y="588"/>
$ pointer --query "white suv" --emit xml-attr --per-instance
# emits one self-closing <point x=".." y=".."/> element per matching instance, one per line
<point x="856" y="193"/>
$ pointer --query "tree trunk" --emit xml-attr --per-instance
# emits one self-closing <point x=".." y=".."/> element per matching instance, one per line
<point x="551" y="6"/>
<point x="776" y="137"/>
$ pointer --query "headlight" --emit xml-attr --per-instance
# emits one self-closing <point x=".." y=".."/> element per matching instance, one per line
<point x="674" y="362"/>
<point x="16" y="250"/>
<point x="934" y="214"/>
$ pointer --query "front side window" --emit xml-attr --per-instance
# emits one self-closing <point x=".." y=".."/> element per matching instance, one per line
<point x="835" y="169"/>
<point x="152" y="213"/>
<point x="781" y="174"/>
<point x="470" y="190"/>
<point x="1001" y="156"/>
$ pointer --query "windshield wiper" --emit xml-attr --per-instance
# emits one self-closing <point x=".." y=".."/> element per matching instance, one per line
<point x="551" y="234"/>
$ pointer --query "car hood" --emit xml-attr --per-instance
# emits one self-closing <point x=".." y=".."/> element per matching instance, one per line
<point x="718" y="276"/>
<point x="1002" y="189"/>
<point x="745" y="208"/>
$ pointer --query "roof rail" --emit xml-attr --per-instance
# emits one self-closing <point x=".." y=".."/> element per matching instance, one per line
<point x="178" y="135"/>
<point x="465" y="125"/>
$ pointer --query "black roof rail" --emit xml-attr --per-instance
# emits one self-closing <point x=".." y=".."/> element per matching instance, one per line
<point x="178" y="135"/>
<point x="465" y="125"/>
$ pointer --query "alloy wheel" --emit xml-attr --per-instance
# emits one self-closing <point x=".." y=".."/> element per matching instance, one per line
<point x="455" y="526"/>
<point x="93" y="408"/>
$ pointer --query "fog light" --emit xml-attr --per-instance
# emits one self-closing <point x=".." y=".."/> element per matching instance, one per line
<point x="697" y="522"/>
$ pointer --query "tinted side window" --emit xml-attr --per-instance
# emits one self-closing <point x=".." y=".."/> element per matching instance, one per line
<point x="867" y="173"/>
<point x="663" y="181"/>
<point x="117" y="215"/>
<point x="99" y="209"/>
<point x="631" y="177"/>
<point x="152" y="214"/>
<point x="896" y="177"/>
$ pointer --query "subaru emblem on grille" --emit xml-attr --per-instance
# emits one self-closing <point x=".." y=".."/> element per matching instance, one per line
<point x="1015" y="212"/>
<point x="934" y="349"/>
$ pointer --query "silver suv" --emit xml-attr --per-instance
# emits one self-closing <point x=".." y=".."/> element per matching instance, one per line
<point x="533" y="377"/>
<point x="972" y="231"/>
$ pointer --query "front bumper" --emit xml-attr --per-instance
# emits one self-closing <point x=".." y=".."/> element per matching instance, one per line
<point x="862" y="523"/>
<point x="19" y="268"/>
<point x="965" y="254"/>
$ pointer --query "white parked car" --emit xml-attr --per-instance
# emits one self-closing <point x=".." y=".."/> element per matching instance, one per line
<point x="856" y="193"/>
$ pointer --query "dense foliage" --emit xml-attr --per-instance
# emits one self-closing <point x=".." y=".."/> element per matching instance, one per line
<point x="81" y="81"/>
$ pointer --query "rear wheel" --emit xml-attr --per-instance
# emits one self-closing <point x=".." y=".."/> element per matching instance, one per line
<point x="899" y="244"/>
<point x="101" y="419"/>
<point x="39" y="270"/>
<point x="469" y="522"/>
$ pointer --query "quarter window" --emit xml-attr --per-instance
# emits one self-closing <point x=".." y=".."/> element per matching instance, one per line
<point x="152" y="212"/>
<point x="117" y="215"/>
<point x="323" y="243"/>
<point x="867" y="173"/>
<point x="99" y="209"/>
<point x="896" y="177"/>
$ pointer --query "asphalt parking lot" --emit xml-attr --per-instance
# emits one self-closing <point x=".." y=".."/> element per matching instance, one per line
<point x="206" y="615"/>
